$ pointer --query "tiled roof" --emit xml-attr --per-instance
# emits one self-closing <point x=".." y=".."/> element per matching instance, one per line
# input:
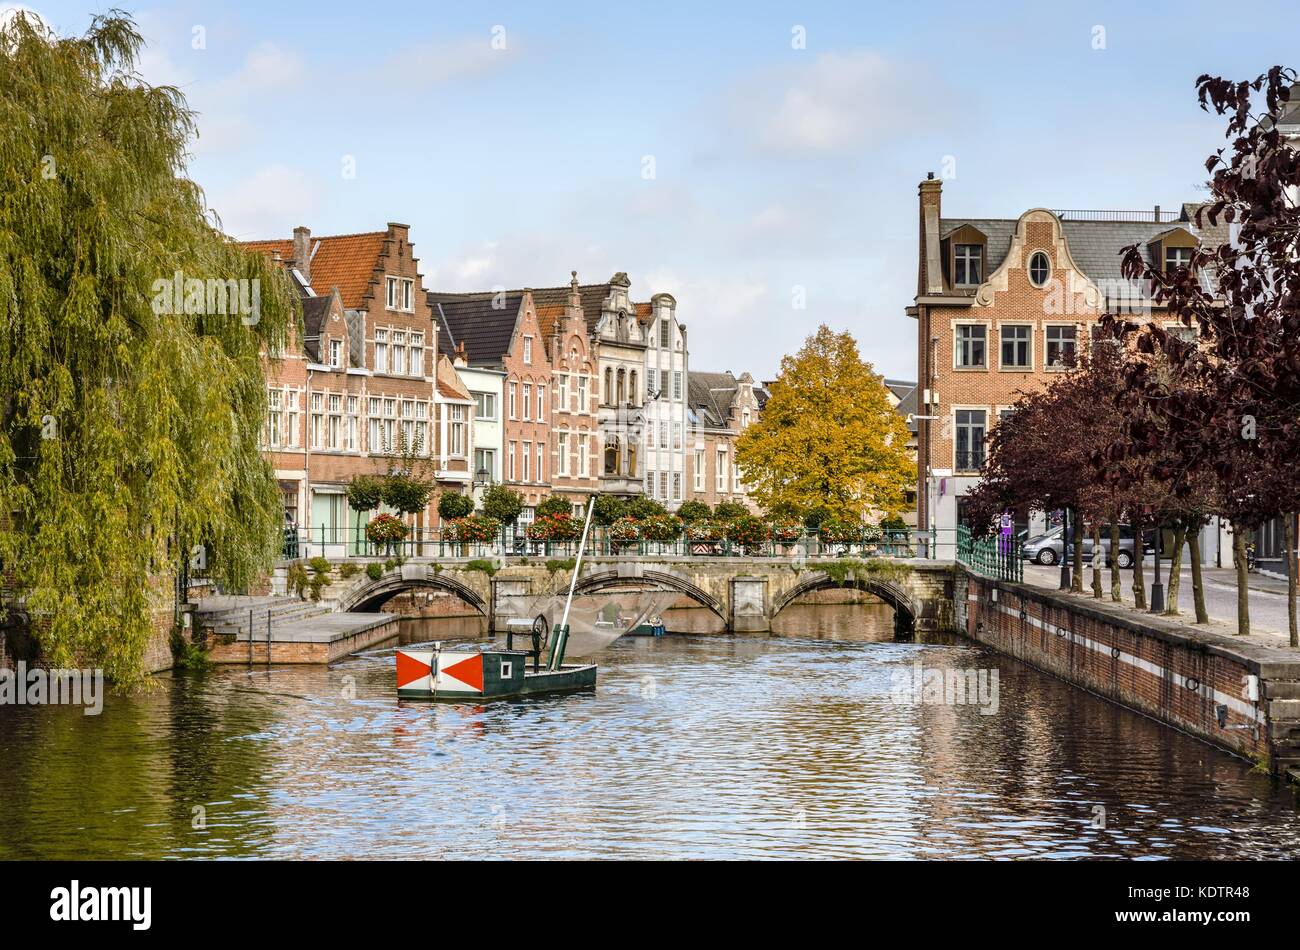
<point x="472" y="319"/>
<point x="345" y="261"/>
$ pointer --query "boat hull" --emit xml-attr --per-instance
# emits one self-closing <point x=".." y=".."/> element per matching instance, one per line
<point x="477" y="675"/>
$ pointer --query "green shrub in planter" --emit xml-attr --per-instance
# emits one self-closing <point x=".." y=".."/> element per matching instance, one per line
<point x="642" y="508"/>
<point x="502" y="504"/>
<point x="608" y="509"/>
<point x="748" y="531"/>
<point x="453" y="505"/>
<point x="694" y="511"/>
<point x="729" y="510"/>
<point x="374" y="571"/>
<point x="365" y="492"/>
<point x="554" y="505"/>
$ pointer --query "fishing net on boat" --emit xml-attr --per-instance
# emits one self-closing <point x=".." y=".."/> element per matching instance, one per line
<point x="595" y="620"/>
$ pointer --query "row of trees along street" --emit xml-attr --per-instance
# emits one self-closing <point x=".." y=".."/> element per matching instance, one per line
<point x="1177" y="430"/>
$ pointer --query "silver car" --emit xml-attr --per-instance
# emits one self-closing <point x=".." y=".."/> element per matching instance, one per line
<point x="1048" y="547"/>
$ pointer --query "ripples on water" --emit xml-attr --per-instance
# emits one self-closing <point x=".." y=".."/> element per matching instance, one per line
<point x="691" y="746"/>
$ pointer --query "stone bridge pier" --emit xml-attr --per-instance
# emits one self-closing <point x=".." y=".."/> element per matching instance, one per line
<point x="746" y="594"/>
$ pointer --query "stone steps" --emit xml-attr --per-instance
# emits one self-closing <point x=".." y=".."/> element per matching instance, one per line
<point x="234" y="621"/>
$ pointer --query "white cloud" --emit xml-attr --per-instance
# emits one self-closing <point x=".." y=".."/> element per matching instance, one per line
<point x="839" y="101"/>
<point x="260" y="205"/>
<point x="434" y="62"/>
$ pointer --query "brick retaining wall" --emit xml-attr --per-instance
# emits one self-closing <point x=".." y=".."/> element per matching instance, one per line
<point x="1184" y="676"/>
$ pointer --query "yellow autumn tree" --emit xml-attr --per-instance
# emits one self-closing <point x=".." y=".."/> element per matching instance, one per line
<point x="828" y="438"/>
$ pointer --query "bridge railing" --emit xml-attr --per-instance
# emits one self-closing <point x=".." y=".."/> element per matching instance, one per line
<point x="347" y="541"/>
<point x="993" y="556"/>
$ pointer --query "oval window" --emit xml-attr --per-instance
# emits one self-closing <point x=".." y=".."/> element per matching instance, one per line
<point x="1040" y="268"/>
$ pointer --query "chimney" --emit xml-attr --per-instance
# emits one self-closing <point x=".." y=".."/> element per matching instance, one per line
<point x="302" y="252"/>
<point x="462" y="359"/>
<point x="930" y="273"/>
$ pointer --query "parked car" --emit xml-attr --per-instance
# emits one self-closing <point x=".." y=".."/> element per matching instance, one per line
<point x="1047" y="548"/>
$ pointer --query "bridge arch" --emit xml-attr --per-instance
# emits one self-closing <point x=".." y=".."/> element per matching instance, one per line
<point x="657" y="579"/>
<point x="892" y="593"/>
<point x="369" y="596"/>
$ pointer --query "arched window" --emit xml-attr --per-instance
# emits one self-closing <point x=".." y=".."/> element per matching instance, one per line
<point x="609" y="386"/>
<point x="622" y="389"/>
<point x="611" y="456"/>
<point x="633" y="394"/>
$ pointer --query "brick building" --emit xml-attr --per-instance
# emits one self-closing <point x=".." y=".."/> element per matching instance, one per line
<point x="360" y="384"/>
<point x="1000" y="306"/>
<point x="719" y="407"/>
<point x="575" y="399"/>
<point x="500" y="331"/>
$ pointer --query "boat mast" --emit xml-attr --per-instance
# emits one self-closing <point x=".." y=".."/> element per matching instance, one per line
<point x="562" y="631"/>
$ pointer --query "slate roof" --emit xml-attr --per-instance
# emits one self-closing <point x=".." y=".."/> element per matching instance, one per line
<point x="1096" y="246"/>
<point x="704" y="392"/>
<point x="550" y="302"/>
<point x="315" y="310"/>
<point x="472" y="319"/>
<point x="899" y="387"/>
<point x="345" y="261"/>
<point x="907" y="406"/>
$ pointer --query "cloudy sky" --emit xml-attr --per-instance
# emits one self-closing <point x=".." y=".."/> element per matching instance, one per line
<point x="759" y="164"/>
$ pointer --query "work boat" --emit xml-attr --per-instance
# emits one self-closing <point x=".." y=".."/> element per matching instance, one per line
<point x="554" y="631"/>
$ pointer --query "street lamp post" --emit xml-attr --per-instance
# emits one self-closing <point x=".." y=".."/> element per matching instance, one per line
<point x="1066" y="526"/>
<point x="1157" y="589"/>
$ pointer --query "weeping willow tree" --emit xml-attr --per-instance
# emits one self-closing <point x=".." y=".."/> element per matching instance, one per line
<point x="131" y="385"/>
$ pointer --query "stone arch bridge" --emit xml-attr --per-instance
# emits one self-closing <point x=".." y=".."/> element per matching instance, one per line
<point x="745" y="593"/>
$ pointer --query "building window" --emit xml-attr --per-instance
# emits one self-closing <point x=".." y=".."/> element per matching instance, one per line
<point x="582" y="394"/>
<point x="1060" y="345"/>
<point x="381" y="351"/>
<point x="528" y="349"/>
<point x="699" y="470"/>
<point x="336" y="353"/>
<point x="970" y="345"/>
<point x="485" y="406"/>
<point x="1176" y="257"/>
<point x="456" y="434"/>
<point x="677" y="486"/>
<point x="275" y="400"/>
<point x="562" y="443"/>
<point x="562" y="385"/>
<point x="652" y="384"/>
<point x="528" y="400"/>
<point x="966" y="260"/>
<point x="510" y="462"/>
<point x="677" y="435"/>
<point x="971" y="426"/>
<point x="335" y="426"/>
<point x="582" y="453"/>
<point x="399" y="352"/>
<point x="721" y="471"/>
<point x="390" y="299"/>
<point x="677" y="384"/>
<point x="417" y="354"/>
<point x="540" y="472"/>
<point x="665" y="332"/>
<point x="317" y="421"/>
<point x="541" y="403"/>
<point x="1015" y="347"/>
<point x="353" y="411"/>
<point x="1040" y="268"/>
<point x="485" y="460"/>
<point x="649" y="483"/>
<point x="609" y="386"/>
<point x="408" y="295"/>
<point x="513" y="393"/>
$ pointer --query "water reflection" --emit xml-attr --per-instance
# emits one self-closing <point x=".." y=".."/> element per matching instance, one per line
<point x="691" y="746"/>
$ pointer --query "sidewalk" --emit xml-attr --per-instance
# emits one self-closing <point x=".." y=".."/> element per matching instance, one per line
<point x="1267" y="598"/>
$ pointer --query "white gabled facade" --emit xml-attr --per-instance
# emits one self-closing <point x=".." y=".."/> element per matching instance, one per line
<point x="665" y="433"/>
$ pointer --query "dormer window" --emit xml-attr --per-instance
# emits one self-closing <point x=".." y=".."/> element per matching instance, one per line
<point x="1176" y="257"/>
<point x="967" y="259"/>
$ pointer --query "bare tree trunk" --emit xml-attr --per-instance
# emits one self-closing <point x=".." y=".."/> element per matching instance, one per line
<point x="1097" y="558"/>
<point x="1291" y="579"/>
<point x="1139" y="588"/>
<point x="1198" y="584"/>
<point x="1116" y="593"/>
<point x="1175" y="569"/>
<point x="1076" y="576"/>
<point x="1243" y="580"/>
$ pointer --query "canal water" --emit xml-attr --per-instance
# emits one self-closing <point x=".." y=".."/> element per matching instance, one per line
<point x="695" y="745"/>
